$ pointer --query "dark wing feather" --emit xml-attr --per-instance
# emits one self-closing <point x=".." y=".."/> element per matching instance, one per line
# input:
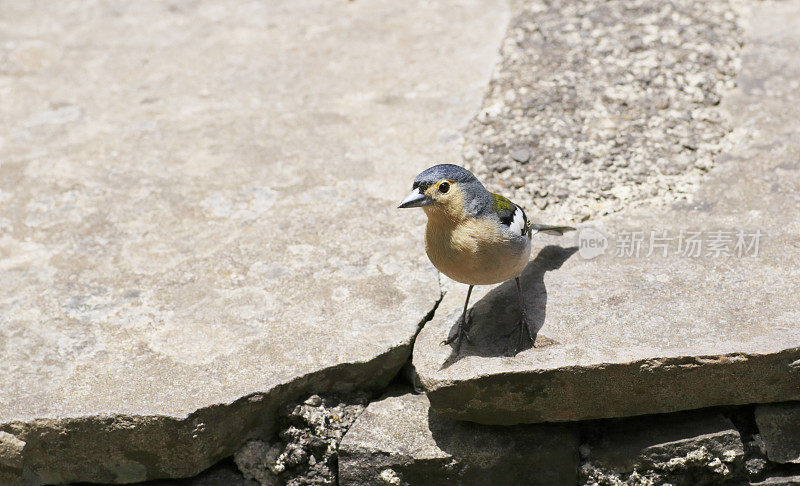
<point x="506" y="211"/>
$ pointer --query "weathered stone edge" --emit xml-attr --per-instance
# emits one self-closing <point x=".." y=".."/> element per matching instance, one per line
<point x="728" y="449"/>
<point x="114" y="447"/>
<point x="743" y="379"/>
<point x="779" y="426"/>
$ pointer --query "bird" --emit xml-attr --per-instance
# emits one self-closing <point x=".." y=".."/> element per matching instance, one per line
<point x="475" y="237"/>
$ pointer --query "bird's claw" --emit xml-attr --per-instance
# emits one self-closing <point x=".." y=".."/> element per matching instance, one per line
<point x="461" y="332"/>
<point x="457" y="339"/>
<point x="457" y="336"/>
<point x="524" y="333"/>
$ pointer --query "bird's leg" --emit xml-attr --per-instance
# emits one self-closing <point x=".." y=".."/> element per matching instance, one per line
<point x="524" y="324"/>
<point x="463" y="326"/>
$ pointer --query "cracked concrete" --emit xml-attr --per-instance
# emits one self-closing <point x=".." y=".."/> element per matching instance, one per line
<point x="197" y="216"/>
<point x="154" y="317"/>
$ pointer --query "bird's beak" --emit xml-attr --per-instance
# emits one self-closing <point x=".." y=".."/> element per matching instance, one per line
<point x="415" y="199"/>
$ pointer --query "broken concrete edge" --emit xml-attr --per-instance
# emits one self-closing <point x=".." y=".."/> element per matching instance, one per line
<point x="703" y="446"/>
<point x="51" y="450"/>
<point x="750" y="378"/>
<point x="387" y="463"/>
<point x="408" y="371"/>
<point x="400" y="440"/>
<point x="392" y="467"/>
<point x="305" y="449"/>
<point x="784" y="480"/>
<point x="428" y="317"/>
<point x="779" y="427"/>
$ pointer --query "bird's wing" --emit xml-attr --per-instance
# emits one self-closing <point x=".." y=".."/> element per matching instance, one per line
<point x="549" y="229"/>
<point x="511" y="215"/>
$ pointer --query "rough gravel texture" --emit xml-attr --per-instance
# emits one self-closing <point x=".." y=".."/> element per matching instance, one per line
<point x="599" y="105"/>
<point x="306" y="452"/>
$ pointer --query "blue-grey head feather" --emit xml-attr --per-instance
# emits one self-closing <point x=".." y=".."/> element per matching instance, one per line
<point x="430" y="176"/>
<point x="478" y="198"/>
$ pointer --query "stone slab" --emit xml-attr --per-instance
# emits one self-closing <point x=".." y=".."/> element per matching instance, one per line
<point x="779" y="481"/>
<point x="689" y="448"/>
<point x="222" y="474"/>
<point x="197" y="215"/>
<point x="779" y="427"/>
<point x="398" y="440"/>
<point x="622" y="334"/>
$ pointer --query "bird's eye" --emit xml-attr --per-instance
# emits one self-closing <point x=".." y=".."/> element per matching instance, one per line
<point x="444" y="187"/>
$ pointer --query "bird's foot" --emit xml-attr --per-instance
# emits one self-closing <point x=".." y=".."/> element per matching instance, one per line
<point x="524" y="336"/>
<point x="462" y="332"/>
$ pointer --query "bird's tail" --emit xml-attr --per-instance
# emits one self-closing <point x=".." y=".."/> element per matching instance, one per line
<point x="549" y="229"/>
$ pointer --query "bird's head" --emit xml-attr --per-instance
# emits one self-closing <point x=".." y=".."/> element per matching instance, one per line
<point x="446" y="190"/>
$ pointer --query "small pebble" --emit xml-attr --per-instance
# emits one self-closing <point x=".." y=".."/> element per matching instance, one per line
<point x="314" y="401"/>
<point x="521" y="155"/>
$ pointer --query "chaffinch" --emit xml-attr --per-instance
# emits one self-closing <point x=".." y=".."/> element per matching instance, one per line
<point x="474" y="236"/>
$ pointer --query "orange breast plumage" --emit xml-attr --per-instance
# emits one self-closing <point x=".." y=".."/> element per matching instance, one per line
<point x="475" y="251"/>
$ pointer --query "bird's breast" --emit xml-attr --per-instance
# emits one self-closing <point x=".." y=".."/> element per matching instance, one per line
<point x="475" y="252"/>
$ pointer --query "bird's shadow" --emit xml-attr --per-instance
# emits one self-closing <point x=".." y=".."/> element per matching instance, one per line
<point x="494" y="318"/>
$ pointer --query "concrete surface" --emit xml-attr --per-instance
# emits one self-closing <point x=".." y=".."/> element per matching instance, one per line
<point x="627" y="335"/>
<point x="598" y="106"/>
<point x="690" y="448"/>
<point x="398" y="440"/>
<point x="779" y="427"/>
<point x="197" y="215"/>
